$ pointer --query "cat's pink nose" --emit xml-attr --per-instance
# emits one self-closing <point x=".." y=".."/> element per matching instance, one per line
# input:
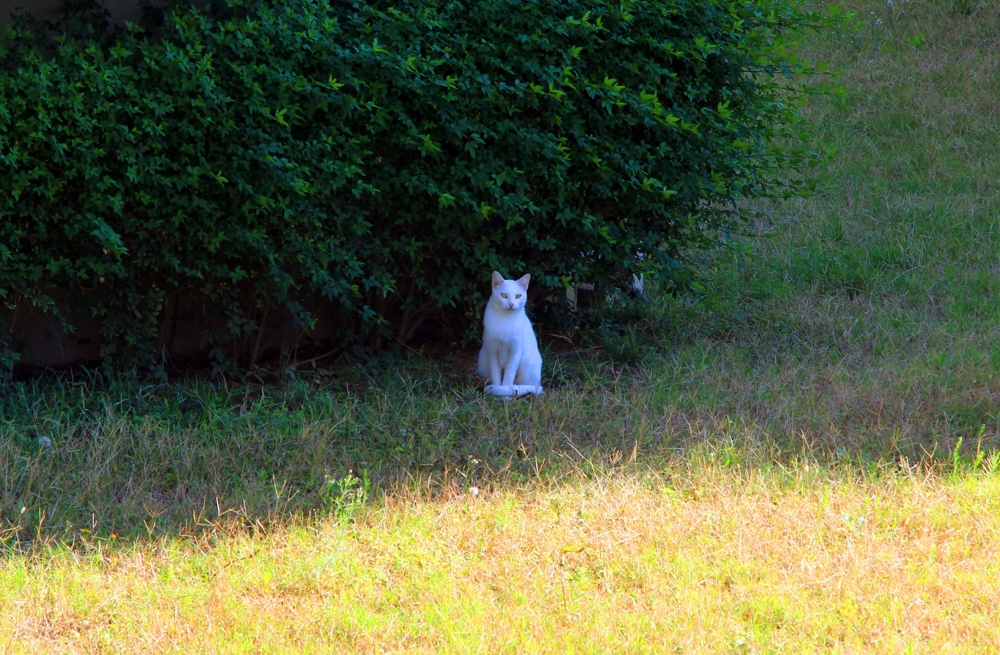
<point x="511" y="305"/>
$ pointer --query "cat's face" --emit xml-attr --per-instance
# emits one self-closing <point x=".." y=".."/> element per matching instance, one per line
<point x="509" y="295"/>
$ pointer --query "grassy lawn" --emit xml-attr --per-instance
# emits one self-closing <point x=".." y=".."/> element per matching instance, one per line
<point x="804" y="461"/>
<point x="700" y="559"/>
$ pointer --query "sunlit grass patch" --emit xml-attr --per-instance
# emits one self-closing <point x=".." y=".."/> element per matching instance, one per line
<point x="705" y="558"/>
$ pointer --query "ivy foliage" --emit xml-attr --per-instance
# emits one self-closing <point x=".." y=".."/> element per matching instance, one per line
<point x="385" y="156"/>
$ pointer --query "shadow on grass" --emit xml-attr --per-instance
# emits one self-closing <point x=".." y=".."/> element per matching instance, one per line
<point x="80" y="461"/>
<point x="92" y="462"/>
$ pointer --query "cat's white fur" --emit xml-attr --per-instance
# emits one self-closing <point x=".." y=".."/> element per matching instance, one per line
<point x="509" y="359"/>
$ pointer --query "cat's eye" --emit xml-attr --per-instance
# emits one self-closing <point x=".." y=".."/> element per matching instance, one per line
<point x="518" y="296"/>
<point x="504" y="295"/>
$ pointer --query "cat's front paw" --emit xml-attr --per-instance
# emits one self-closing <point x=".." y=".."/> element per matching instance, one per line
<point x="527" y="389"/>
<point x="500" y="390"/>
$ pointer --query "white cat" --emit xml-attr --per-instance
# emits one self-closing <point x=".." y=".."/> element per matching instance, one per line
<point x="509" y="359"/>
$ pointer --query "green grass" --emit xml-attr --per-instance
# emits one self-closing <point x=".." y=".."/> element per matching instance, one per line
<point x="802" y="461"/>
<point x="869" y="312"/>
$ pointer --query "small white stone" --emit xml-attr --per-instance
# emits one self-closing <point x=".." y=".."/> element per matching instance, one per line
<point x="44" y="442"/>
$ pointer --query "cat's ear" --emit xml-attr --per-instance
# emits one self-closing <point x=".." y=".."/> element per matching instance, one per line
<point x="497" y="279"/>
<point x="524" y="282"/>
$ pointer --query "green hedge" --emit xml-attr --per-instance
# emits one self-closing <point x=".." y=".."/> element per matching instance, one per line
<point x="383" y="155"/>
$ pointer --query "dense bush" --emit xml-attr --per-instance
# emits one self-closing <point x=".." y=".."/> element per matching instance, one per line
<point x="383" y="155"/>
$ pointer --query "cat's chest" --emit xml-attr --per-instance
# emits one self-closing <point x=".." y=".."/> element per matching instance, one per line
<point x="506" y="331"/>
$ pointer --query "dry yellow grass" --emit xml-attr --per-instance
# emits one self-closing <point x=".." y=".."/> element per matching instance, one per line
<point x="707" y="560"/>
